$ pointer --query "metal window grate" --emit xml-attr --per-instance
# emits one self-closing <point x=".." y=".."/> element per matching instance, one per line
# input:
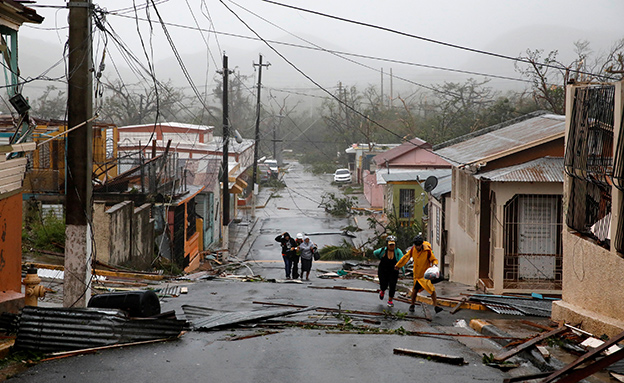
<point x="619" y="236"/>
<point x="589" y="150"/>
<point x="532" y="242"/>
<point x="589" y="209"/>
<point x="406" y="203"/>
<point x="618" y="167"/>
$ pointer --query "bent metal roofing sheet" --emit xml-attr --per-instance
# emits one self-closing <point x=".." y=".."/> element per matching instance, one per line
<point x="521" y="134"/>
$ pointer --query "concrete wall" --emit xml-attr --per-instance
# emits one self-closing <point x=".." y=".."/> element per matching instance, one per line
<point x="142" y="253"/>
<point x="372" y="191"/>
<point x="101" y="231"/>
<point x="123" y="234"/>
<point x="592" y="293"/>
<point x="120" y="240"/>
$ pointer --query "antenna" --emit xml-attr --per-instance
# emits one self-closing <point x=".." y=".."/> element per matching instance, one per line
<point x="431" y="183"/>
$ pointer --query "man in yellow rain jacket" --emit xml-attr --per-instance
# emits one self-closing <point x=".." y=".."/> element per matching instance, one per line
<point x="423" y="258"/>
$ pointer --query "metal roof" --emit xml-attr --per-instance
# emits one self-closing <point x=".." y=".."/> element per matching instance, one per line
<point x="228" y="319"/>
<point x="444" y="186"/>
<point x="474" y="148"/>
<point x="414" y="175"/>
<point x="50" y="329"/>
<point x="546" y="169"/>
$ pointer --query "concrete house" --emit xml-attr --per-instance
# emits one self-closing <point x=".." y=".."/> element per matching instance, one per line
<point x="360" y="158"/>
<point x="397" y="186"/>
<point x="503" y="220"/>
<point x="593" y="235"/>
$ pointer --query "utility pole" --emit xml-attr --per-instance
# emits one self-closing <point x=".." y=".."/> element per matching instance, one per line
<point x="254" y="190"/>
<point x="382" y="89"/>
<point x="78" y="203"/>
<point x="391" y="91"/>
<point x="225" y="169"/>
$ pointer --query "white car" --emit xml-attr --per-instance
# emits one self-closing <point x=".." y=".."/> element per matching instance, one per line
<point x="342" y="175"/>
<point x="273" y="166"/>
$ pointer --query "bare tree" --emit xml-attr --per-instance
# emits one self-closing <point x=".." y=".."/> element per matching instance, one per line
<point x="125" y="105"/>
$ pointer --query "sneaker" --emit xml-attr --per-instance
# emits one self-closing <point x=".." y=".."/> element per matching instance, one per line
<point x="411" y="308"/>
<point x="390" y="303"/>
<point x="437" y="309"/>
<point x="381" y="294"/>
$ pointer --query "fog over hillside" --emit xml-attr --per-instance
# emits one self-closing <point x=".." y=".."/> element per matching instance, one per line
<point x="486" y="25"/>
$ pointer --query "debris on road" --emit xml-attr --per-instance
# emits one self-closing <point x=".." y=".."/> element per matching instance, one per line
<point x="457" y="360"/>
<point x="227" y="319"/>
<point x="49" y="329"/>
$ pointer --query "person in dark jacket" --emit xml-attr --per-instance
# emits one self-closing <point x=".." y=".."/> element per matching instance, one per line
<point x="386" y="272"/>
<point x="289" y="251"/>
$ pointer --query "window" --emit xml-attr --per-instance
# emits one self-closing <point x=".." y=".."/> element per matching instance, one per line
<point x="532" y="242"/>
<point x="589" y="160"/>
<point x="406" y="203"/>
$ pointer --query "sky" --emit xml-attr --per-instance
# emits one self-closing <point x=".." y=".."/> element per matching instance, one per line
<point x="296" y="42"/>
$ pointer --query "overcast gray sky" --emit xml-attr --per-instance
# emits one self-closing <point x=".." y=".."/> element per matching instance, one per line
<point x="503" y="27"/>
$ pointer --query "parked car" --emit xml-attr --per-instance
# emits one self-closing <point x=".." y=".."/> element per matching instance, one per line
<point x="342" y="175"/>
<point x="273" y="166"/>
<point x="264" y="173"/>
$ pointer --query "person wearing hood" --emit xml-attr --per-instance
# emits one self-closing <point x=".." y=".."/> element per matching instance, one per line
<point x="289" y="251"/>
<point x="423" y="258"/>
<point x="305" y="250"/>
<point x="388" y="274"/>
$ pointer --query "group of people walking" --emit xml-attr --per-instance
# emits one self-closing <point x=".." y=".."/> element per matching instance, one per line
<point x="392" y="259"/>
<point x="294" y="249"/>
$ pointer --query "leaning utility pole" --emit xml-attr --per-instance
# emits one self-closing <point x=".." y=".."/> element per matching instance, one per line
<point x="254" y="190"/>
<point x="79" y="168"/>
<point x="225" y="201"/>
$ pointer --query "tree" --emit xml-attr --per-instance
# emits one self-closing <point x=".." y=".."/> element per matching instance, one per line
<point x="52" y="104"/>
<point x="125" y="106"/>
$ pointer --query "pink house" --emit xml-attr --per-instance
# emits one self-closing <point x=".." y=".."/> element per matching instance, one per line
<point x="411" y="155"/>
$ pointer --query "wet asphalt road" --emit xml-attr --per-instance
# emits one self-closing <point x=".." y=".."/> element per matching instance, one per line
<point x="292" y="354"/>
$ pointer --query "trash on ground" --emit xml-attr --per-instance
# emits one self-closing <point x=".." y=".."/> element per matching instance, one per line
<point x="457" y="360"/>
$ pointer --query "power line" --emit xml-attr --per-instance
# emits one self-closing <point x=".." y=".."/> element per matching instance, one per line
<point x="439" y="42"/>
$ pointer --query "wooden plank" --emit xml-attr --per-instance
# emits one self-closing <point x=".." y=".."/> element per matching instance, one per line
<point x="25" y="147"/>
<point x="450" y="359"/>
<point x="17" y="162"/>
<point x="119" y="274"/>
<point x="458" y="305"/>
<point x="508" y="354"/>
<point x="592" y="368"/>
<point x="534" y="324"/>
<point x="584" y="358"/>
<point x="10" y="187"/>
<point x="12" y="171"/>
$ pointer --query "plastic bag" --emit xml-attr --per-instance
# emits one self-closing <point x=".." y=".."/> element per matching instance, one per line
<point x="316" y="254"/>
<point x="432" y="273"/>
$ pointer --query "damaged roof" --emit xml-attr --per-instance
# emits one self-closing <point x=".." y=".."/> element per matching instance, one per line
<point x="546" y="169"/>
<point x="503" y="139"/>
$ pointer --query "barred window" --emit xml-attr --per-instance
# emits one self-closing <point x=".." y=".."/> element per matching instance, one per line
<point x="406" y="203"/>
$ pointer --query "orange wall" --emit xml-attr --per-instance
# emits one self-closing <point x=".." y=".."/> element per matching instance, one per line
<point x="11" y="243"/>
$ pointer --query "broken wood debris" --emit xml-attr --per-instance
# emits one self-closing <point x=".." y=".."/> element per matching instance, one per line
<point x="345" y="288"/>
<point x="329" y="309"/>
<point x="507" y="354"/>
<point x="457" y="360"/>
<point x="263" y="333"/>
<point x="228" y="319"/>
<point x="578" y="374"/>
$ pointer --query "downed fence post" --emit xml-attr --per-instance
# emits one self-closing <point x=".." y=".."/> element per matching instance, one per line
<point x="457" y="360"/>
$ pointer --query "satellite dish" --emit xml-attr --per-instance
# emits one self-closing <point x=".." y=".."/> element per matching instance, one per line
<point x="431" y="183"/>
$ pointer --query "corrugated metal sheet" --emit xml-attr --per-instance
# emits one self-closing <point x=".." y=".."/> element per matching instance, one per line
<point x="232" y="318"/>
<point x="547" y="169"/>
<point x="475" y="147"/>
<point x="444" y="186"/>
<point x="60" y="329"/>
<point x="503" y="309"/>
<point x="534" y="307"/>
